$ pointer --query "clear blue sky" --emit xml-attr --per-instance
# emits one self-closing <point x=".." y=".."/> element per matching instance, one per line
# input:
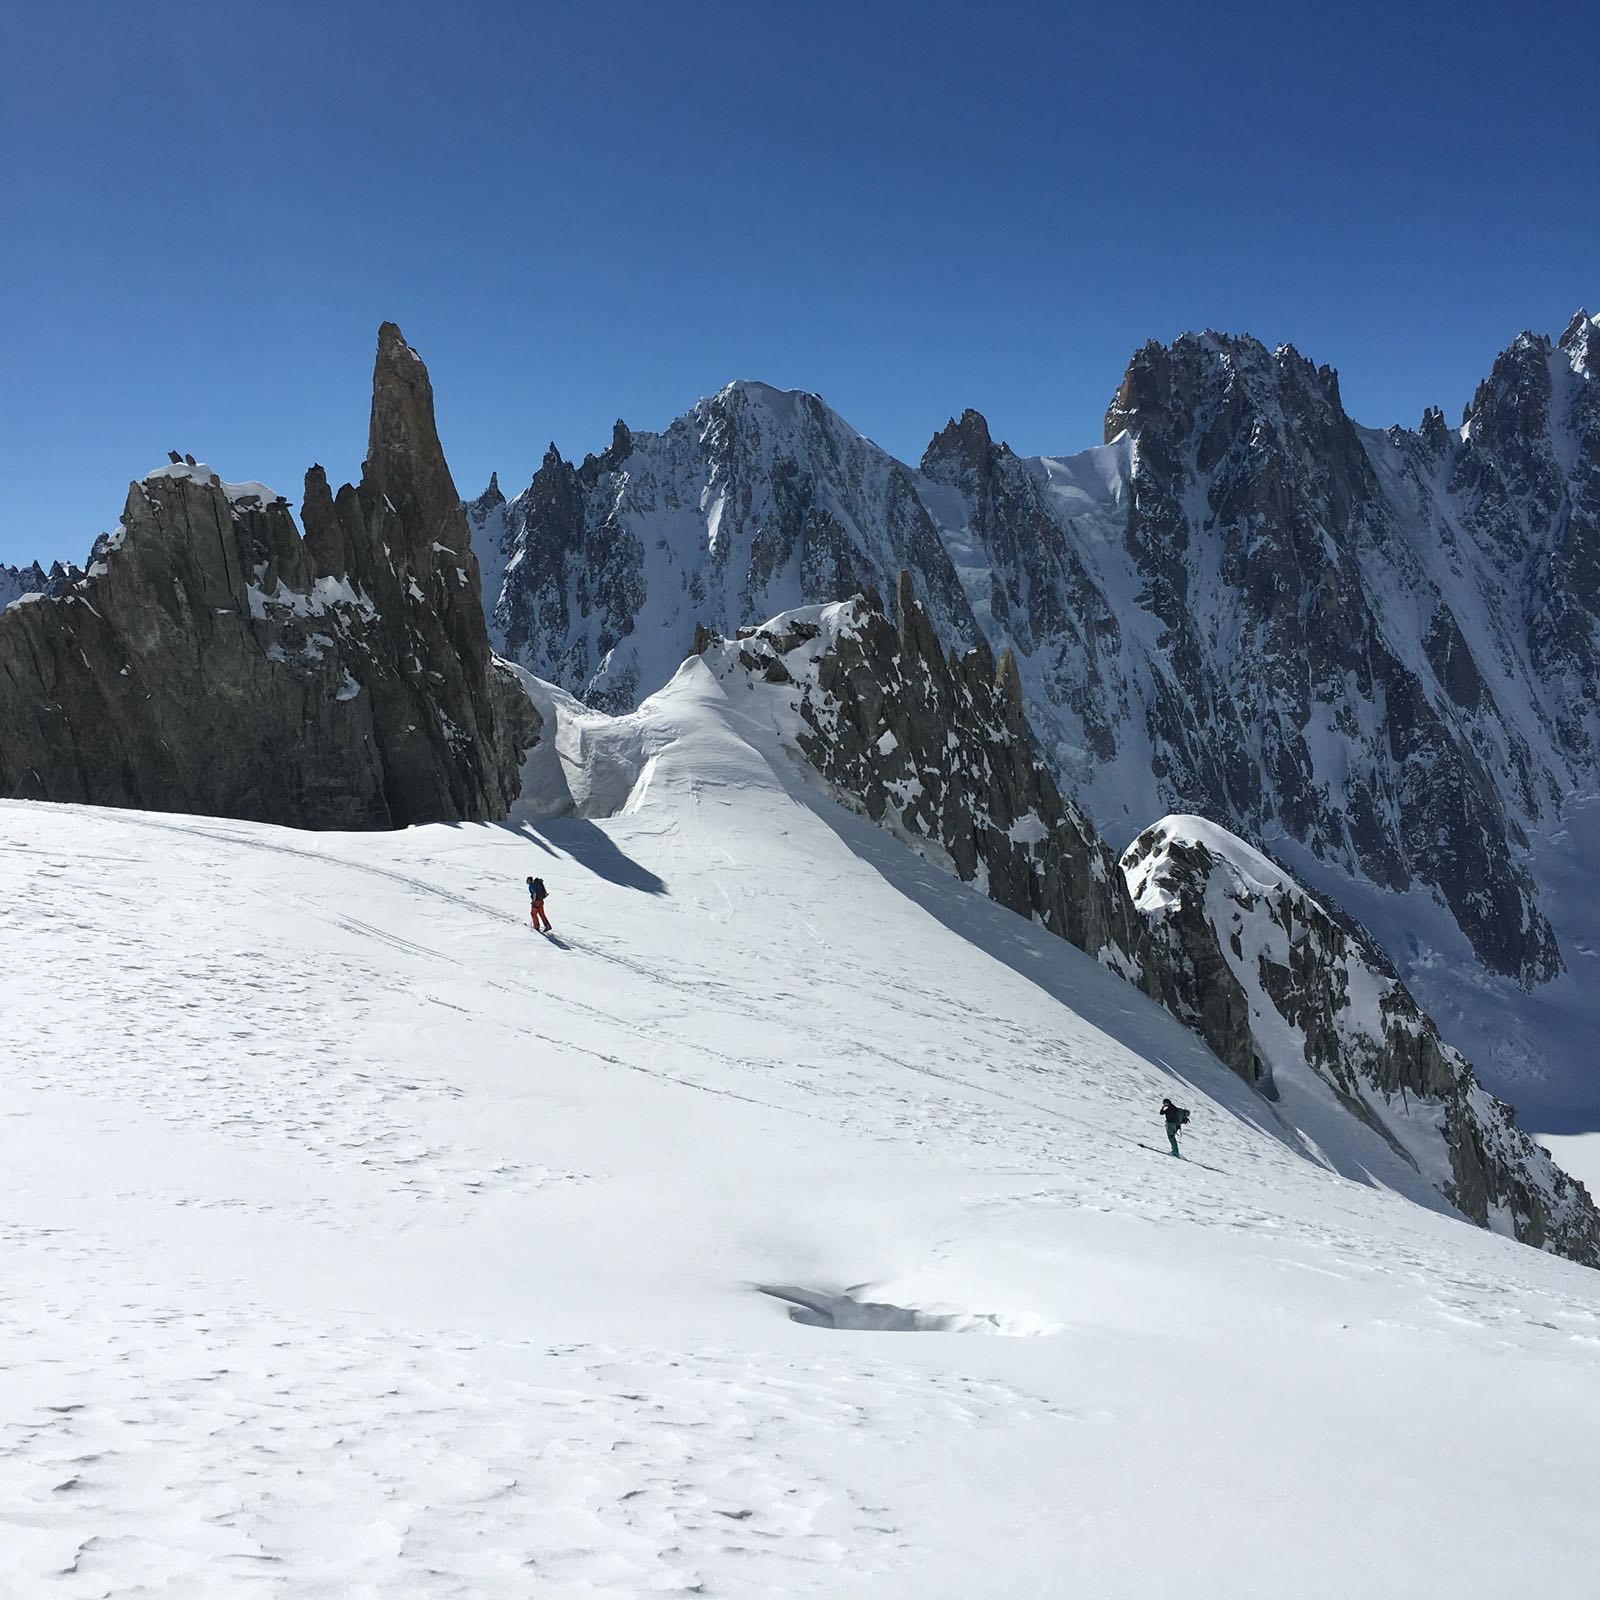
<point x="577" y="212"/>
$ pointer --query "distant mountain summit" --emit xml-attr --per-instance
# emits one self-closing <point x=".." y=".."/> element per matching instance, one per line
<point x="754" y="501"/>
<point x="17" y="583"/>
<point x="1373" y="651"/>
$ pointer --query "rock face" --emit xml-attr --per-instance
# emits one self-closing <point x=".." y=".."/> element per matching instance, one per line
<point x="936" y="748"/>
<point x="211" y="660"/>
<point x="1376" y="651"/>
<point x="1267" y="977"/>
<point x="755" y="502"/>
<point x="1315" y="675"/>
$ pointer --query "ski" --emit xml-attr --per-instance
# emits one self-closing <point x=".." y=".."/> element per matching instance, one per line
<point x="1204" y="1167"/>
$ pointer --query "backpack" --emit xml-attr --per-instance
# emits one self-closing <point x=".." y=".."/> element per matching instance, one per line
<point x="1183" y="1116"/>
<point x="538" y="889"/>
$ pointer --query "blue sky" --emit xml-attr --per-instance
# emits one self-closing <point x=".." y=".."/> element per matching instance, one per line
<point x="577" y="212"/>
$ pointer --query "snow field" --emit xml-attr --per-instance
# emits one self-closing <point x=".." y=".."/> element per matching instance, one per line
<point x="361" y="1242"/>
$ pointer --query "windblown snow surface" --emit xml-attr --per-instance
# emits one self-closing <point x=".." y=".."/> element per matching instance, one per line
<point x="360" y="1242"/>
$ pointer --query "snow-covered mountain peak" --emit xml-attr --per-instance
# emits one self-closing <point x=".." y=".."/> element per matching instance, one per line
<point x="756" y="499"/>
<point x="780" y="402"/>
<point x="197" y="472"/>
<point x="1372" y="651"/>
<point x="749" y="417"/>
<point x="1242" y="866"/>
<point x="1581" y="342"/>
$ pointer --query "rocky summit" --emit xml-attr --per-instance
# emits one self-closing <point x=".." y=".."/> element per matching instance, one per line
<point x="1374" y="651"/>
<point x="213" y="660"/>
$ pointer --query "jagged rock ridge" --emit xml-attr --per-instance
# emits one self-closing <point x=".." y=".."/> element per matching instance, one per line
<point x="211" y="660"/>
<point x="1276" y="986"/>
<point x="936" y="749"/>
<point x="1375" y="651"/>
<point x="20" y="583"/>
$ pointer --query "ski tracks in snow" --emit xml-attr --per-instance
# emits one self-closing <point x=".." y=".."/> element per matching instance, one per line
<point x="287" y="1303"/>
<point x="214" y="1450"/>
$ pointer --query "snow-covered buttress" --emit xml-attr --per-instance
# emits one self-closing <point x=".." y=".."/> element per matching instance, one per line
<point x="1302" y="1005"/>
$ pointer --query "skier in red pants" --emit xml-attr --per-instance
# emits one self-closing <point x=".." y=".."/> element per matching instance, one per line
<point x="536" y="895"/>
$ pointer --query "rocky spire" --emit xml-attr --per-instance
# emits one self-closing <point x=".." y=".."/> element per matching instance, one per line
<point x="405" y="461"/>
<point x="489" y="500"/>
<point x="959" y="449"/>
<point x="212" y="660"/>
<point x="1435" y="432"/>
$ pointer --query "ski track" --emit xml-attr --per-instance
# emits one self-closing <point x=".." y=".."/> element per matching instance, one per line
<point x="251" y="1339"/>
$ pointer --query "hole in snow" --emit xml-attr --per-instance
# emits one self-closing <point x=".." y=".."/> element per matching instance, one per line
<point x="819" y="1309"/>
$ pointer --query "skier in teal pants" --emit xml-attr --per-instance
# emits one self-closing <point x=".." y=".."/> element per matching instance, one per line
<point x="1175" y="1116"/>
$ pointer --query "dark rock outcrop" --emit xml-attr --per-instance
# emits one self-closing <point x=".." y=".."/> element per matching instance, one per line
<point x="1262" y="971"/>
<point x="936" y="748"/>
<point x="212" y="660"/>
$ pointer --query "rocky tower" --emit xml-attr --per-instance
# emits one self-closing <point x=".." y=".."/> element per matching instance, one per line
<point x="213" y="661"/>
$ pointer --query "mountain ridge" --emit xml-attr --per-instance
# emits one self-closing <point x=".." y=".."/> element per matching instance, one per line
<point x="935" y="749"/>
<point x="1236" y="606"/>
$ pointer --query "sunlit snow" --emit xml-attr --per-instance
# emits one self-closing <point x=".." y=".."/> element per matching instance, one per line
<point x="361" y="1242"/>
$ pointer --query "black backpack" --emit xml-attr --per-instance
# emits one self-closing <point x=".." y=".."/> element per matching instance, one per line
<point x="538" y="889"/>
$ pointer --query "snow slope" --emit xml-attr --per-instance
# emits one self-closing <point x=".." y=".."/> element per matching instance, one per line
<point x="360" y="1242"/>
<point x="1370" y="652"/>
